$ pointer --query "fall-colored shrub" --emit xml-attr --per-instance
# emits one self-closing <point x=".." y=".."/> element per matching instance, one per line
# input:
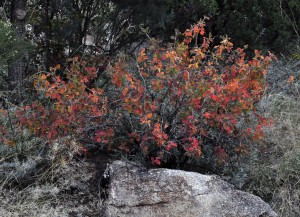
<point x="64" y="106"/>
<point x="176" y="100"/>
<point x="170" y="104"/>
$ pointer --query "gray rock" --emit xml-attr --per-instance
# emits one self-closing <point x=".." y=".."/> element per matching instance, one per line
<point x="135" y="191"/>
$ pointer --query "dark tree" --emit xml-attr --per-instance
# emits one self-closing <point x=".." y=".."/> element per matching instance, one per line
<point x="17" y="68"/>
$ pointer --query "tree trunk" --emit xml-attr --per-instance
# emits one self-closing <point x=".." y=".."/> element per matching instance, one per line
<point x="16" y="71"/>
<point x="47" y="31"/>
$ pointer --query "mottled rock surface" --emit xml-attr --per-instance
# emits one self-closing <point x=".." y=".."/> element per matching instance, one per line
<point x="135" y="191"/>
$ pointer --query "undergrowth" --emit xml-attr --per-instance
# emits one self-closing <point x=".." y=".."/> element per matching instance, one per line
<point x="274" y="171"/>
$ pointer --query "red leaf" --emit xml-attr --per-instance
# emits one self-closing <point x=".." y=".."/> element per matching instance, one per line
<point x="188" y="33"/>
<point x="202" y="32"/>
<point x="156" y="160"/>
<point x="207" y="115"/>
<point x="214" y="97"/>
<point x="170" y="145"/>
<point x="186" y="75"/>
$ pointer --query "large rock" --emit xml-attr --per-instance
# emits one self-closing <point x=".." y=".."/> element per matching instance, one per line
<point x="137" y="192"/>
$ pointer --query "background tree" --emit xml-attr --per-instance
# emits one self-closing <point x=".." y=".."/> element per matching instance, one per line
<point x="264" y="24"/>
<point x="17" y="68"/>
<point x="162" y="17"/>
<point x="72" y="27"/>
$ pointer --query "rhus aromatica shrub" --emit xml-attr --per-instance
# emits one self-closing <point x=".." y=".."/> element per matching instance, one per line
<point x="168" y="104"/>
<point x="173" y="101"/>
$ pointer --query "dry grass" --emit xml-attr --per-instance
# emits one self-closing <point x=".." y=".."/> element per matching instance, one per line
<point x="48" y="182"/>
<point x="69" y="195"/>
<point x="275" y="172"/>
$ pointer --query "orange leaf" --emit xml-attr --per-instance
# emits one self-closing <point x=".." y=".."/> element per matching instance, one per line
<point x="188" y="33"/>
<point x="61" y="91"/>
<point x="124" y="92"/>
<point x="149" y="115"/>
<point x="145" y="121"/>
<point x="57" y="66"/>
<point x="196" y="29"/>
<point x="186" y="75"/>
<point x="95" y="99"/>
<point x="43" y="76"/>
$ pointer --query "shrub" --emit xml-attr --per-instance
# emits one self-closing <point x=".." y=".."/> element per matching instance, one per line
<point x="171" y="104"/>
<point x="64" y="108"/>
<point x="178" y="100"/>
